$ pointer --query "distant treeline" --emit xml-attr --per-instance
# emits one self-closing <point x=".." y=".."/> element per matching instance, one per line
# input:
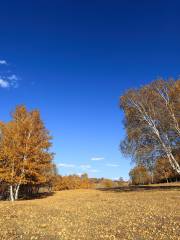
<point x="83" y="182"/>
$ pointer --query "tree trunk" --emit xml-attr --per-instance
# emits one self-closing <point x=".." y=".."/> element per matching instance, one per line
<point x="11" y="193"/>
<point x="17" y="192"/>
<point x="152" y="178"/>
<point x="174" y="164"/>
<point x="149" y="120"/>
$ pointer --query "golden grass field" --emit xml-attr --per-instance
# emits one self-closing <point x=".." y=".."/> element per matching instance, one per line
<point x="94" y="214"/>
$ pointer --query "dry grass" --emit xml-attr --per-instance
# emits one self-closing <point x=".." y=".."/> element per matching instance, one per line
<point x="93" y="214"/>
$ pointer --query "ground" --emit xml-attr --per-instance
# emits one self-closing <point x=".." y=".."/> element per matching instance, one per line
<point x="137" y="214"/>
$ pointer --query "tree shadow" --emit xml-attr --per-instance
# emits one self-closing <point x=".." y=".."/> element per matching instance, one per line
<point x="37" y="196"/>
<point x="141" y="188"/>
<point x="34" y="196"/>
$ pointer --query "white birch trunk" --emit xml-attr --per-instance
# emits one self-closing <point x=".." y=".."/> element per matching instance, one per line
<point x="11" y="193"/>
<point x="151" y="123"/>
<point x="166" y="100"/>
<point x="17" y="192"/>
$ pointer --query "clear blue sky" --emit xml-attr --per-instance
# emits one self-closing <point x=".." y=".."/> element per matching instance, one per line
<point x="73" y="59"/>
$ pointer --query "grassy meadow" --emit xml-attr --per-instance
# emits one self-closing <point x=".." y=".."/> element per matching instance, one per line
<point x="136" y="213"/>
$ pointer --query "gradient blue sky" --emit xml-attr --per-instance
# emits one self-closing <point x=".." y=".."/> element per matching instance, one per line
<point x="73" y="59"/>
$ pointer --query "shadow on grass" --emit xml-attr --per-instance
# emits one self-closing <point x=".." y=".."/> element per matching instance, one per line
<point x="30" y="197"/>
<point x="37" y="196"/>
<point x="141" y="188"/>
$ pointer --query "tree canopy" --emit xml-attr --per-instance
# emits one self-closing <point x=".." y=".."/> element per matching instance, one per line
<point x="152" y="122"/>
<point x="24" y="150"/>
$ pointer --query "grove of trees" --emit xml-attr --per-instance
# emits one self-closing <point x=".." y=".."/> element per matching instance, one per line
<point x="83" y="182"/>
<point x="162" y="173"/>
<point x="139" y="175"/>
<point x="71" y="182"/>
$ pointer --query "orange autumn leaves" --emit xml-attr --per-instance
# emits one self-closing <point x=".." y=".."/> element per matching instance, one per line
<point x="24" y="150"/>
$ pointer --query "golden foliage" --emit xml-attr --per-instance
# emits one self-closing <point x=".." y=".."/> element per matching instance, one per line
<point x="24" y="149"/>
<point x="71" y="182"/>
<point x="139" y="175"/>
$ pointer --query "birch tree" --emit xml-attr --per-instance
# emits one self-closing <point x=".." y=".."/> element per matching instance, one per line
<point x="152" y="115"/>
<point x="24" y="151"/>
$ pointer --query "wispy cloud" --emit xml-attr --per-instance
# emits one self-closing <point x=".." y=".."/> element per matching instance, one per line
<point x="10" y="81"/>
<point x="66" y="165"/>
<point x="78" y="169"/>
<point x="13" y="77"/>
<point x="13" y="80"/>
<point x="3" y="62"/>
<point x="85" y="166"/>
<point x="112" y="165"/>
<point x="4" y="83"/>
<point x="97" y="158"/>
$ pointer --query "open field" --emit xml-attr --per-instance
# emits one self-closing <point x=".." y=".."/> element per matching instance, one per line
<point x="93" y="214"/>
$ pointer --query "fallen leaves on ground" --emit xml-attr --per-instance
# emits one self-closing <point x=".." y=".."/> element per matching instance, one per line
<point x="93" y="214"/>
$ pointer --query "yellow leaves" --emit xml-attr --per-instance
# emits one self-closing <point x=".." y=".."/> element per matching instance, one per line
<point x="70" y="182"/>
<point x="24" y="148"/>
<point x="94" y="215"/>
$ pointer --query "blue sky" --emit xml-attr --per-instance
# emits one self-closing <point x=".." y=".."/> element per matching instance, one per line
<point x="73" y="59"/>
